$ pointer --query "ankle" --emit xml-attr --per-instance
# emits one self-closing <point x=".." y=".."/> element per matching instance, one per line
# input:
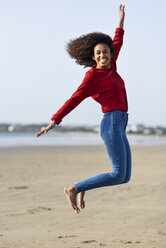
<point x="73" y="189"/>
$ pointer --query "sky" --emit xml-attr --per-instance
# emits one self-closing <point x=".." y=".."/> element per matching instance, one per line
<point x="37" y="76"/>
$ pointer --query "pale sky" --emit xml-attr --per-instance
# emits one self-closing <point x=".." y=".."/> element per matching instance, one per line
<point x="37" y="76"/>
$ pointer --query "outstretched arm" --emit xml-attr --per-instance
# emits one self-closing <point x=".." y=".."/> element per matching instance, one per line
<point x="85" y="90"/>
<point x="122" y="16"/>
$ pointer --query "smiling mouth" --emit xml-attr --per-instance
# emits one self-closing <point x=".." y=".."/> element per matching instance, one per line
<point x="103" y="61"/>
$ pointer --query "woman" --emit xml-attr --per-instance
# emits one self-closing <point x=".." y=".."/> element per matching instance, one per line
<point x="104" y="85"/>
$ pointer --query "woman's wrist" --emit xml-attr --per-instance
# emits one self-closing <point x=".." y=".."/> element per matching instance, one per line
<point x="53" y="122"/>
<point x="121" y="23"/>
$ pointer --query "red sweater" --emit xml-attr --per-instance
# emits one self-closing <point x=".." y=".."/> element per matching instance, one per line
<point x="104" y="85"/>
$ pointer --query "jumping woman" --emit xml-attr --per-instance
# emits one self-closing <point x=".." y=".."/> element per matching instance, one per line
<point x="104" y="85"/>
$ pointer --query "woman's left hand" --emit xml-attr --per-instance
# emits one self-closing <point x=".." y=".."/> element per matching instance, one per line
<point x="121" y="11"/>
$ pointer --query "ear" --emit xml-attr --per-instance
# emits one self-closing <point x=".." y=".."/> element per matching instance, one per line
<point x="93" y="57"/>
<point x="112" y="55"/>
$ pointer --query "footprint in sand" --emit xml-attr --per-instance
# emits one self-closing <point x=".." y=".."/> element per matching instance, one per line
<point x="18" y="187"/>
<point x="161" y="233"/>
<point x="129" y="242"/>
<point x="101" y="244"/>
<point x="67" y="236"/>
<point x="70" y="236"/>
<point x="30" y="211"/>
<point x="89" y="241"/>
<point x="38" y="209"/>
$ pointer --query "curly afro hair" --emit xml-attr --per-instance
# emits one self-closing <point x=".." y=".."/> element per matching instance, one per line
<point x="82" y="48"/>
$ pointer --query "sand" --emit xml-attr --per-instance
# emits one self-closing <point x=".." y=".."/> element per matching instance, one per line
<point x="34" y="212"/>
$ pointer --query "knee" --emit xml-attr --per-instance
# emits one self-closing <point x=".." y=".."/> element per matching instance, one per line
<point x="126" y="180"/>
<point x="119" y="178"/>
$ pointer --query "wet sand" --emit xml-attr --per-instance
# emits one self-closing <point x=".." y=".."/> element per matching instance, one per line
<point x="34" y="212"/>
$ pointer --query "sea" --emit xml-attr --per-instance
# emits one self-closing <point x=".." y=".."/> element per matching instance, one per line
<point x="70" y="139"/>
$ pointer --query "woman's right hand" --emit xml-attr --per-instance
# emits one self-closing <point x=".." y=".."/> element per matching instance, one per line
<point x="46" y="129"/>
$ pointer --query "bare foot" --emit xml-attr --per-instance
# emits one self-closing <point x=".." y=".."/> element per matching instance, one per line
<point x="82" y="202"/>
<point x="71" y="195"/>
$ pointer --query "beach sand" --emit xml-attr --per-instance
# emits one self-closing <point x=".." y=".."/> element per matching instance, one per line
<point x="34" y="212"/>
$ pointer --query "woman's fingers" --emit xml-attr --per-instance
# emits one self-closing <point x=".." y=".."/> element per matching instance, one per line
<point x="40" y="133"/>
<point x="46" y="129"/>
<point x="121" y="11"/>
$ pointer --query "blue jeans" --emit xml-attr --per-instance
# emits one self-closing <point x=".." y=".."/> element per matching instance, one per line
<point x="112" y="131"/>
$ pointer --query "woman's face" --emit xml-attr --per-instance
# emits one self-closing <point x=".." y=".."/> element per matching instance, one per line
<point x="102" y="56"/>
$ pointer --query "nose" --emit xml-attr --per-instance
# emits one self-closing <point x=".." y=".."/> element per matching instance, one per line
<point x="102" y="55"/>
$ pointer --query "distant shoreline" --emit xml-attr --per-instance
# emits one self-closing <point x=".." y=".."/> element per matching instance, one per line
<point x="71" y="139"/>
<point x="138" y="129"/>
<point x="52" y="133"/>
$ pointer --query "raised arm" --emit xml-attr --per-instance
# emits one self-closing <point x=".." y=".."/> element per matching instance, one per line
<point x="122" y="16"/>
<point x="119" y="32"/>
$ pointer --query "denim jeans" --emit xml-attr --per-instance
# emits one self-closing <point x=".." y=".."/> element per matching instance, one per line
<point x="112" y="131"/>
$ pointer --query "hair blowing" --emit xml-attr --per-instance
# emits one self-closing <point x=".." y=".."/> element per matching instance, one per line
<point x="82" y="48"/>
